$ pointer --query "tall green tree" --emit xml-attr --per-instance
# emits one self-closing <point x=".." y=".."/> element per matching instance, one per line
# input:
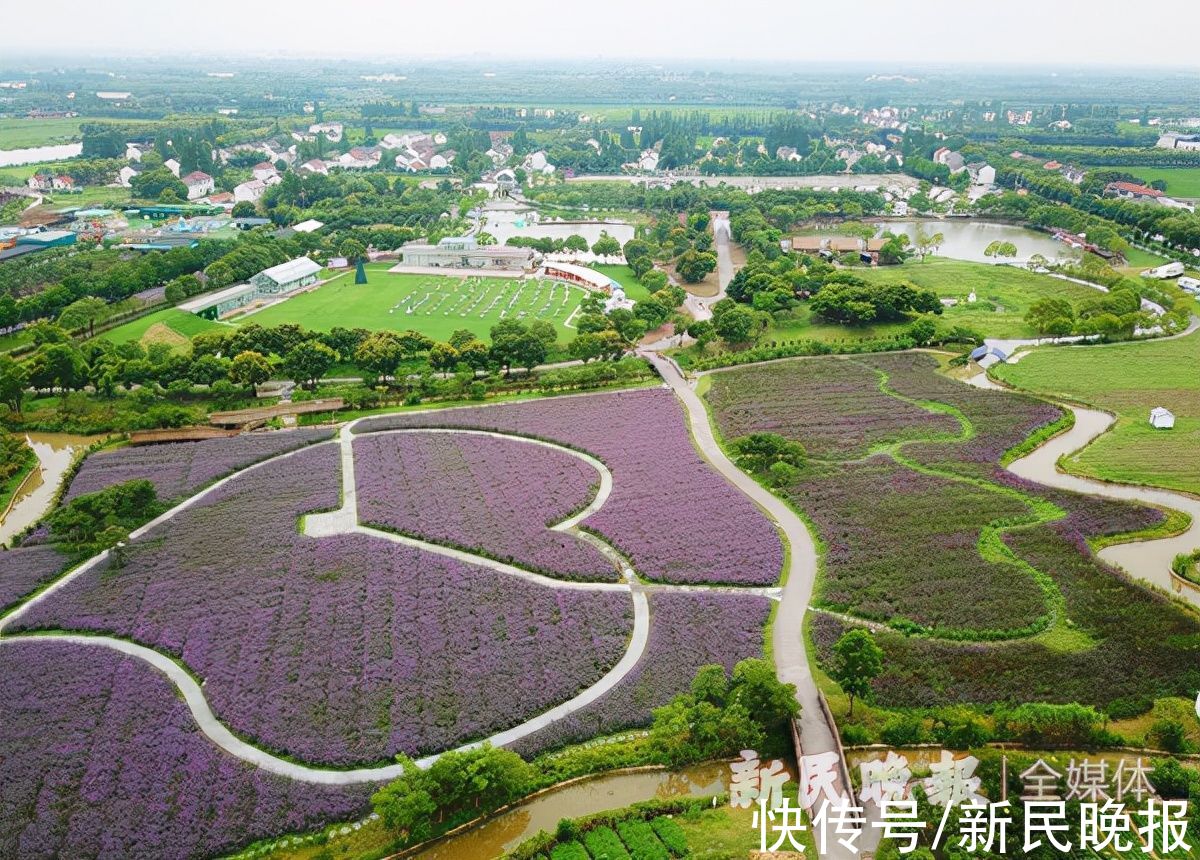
<point x="857" y="661"/>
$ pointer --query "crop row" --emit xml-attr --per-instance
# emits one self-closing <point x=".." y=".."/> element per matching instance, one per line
<point x="687" y="630"/>
<point x="347" y="649"/>
<point x="178" y="469"/>
<point x="488" y="495"/>
<point x="102" y="759"/>
<point x="833" y="406"/>
<point x="675" y="517"/>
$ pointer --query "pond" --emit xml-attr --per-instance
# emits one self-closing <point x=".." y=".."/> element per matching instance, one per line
<point x="38" y="154"/>
<point x="966" y="239"/>
<point x="55" y="453"/>
<point x="505" y="832"/>
<point x="504" y="224"/>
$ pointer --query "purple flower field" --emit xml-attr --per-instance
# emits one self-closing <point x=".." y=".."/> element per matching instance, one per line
<point x="178" y="469"/>
<point x="487" y="495"/>
<point x="674" y="516"/>
<point x="101" y="759"/>
<point x="687" y="631"/>
<point x="342" y="650"/>
<point x="25" y="568"/>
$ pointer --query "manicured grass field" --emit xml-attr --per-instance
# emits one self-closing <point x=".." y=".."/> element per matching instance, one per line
<point x="24" y="133"/>
<point x="1003" y="293"/>
<point x="1181" y="181"/>
<point x="434" y="305"/>
<point x="624" y="276"/>
<point x="170" y="325"/>
<point x="1128" y="380"/>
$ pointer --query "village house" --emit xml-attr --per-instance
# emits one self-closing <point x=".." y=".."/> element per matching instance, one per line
<point x="252" y="191"/>
<point x="536" y="162"/>
<point x="331" y="130"/>
<point x="1132" y="191"/>
<point x="361" y="158"/>
<point x="199" y="184"/>
<point x="172" y="165"/>
<point x="982" y="173"/>
<point x="1177" y="140"/>
<point x="264" y="170"/>
<point x="315" y="165"/>
<point x="787" y="153"/>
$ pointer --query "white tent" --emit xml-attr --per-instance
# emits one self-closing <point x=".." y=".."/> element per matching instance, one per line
<point x="1162" y="418"/>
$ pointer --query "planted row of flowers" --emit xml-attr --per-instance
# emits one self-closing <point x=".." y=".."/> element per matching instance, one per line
<point x="102" y="759"/>
<point x="341" y="650"/>
<point x="178" y="469"/>
<point x="675" y="517"/>
<point x="485" y="494"/>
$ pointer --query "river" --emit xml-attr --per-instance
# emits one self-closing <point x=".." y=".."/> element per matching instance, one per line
<point x="506" y="831"/>
<point x="966" y="239"/>
<point x="55" y="453"/>
<point x="38" y="154"/>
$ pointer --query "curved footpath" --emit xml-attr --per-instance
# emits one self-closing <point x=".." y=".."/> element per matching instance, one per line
<point x="787" y="638"/>
<point x="1150" y="559"/>
<point x="345" y="520"/>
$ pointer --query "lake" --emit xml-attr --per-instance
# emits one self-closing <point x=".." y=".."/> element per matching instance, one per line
<point x="504" y="224"/>
<point x="38" y="154"/>
<point x="966" y="239"/>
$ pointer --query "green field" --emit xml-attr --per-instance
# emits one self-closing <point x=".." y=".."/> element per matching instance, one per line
<point x="1181" y="181"/>
<point x="434" y="305"/>
<point x="624" y="276"/>
<point x="166" y="326"/>
<point x="24" y="133"/>
<point x="1128" y="380"/>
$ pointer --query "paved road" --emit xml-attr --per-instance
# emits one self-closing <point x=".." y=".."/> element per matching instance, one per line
<point x="791" y="658"/>
<point x="698" y="306"/>
<point x="1148" y="560"/>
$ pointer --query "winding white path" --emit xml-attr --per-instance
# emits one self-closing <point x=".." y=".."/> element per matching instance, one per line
<point x="1150" y="559"/>
<point x="341" y="521"/>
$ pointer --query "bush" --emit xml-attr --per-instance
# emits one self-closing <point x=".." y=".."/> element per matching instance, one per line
<point x="855" y="735"/>
<point x="640" y="839"/>
<point x="569" y="851"/>
<point x="671" y="835"/>
<point x="604" y="842"/>
<point x="905" y="731"/>
<point x="1045" y="725"/>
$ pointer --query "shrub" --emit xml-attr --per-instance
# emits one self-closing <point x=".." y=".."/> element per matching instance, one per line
<point x="1040" y="724"/>
<point x="855" y="735"/>
<point x="603" y="842"/>
<point x="569" y="851"/>
<point x="1171" y="735"/>
<point x="640" y="839"/>
<point x="671" y="835"/>
<point x="904" y="731"/>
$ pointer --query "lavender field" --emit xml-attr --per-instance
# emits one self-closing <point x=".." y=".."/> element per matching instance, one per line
<point x="492" y="496"/>
<point x="179" y="469"/>
<point x="933" y="535"/>
<point x="101" y="759"/>
<point x="341" y="650"/>
<point x="24" y="569"/>
<point x="669" y="512"/>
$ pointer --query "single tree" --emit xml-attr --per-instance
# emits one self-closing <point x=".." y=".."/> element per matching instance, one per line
<point x="857" y="661"/>
<point x="250" y="368"/>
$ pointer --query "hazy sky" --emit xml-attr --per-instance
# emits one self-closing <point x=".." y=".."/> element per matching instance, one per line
<point x="1066" y="32"/>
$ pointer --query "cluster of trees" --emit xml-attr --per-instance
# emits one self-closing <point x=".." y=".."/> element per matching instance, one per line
<point x="607" y="335"/>
<point x="1114" y="314"/>
<point x="95" y="521"/>
<point x="723" y="714"/>
<point x="604" y="246"/>
<point x="851" y="301"/>
<point x="770" y="457"/>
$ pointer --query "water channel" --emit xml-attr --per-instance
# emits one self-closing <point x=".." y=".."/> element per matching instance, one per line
<point x="55" y="453"/>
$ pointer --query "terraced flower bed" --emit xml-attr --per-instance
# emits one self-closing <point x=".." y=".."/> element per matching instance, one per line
<point x="178" y="469"/>
<point x="102" y="759"/>
<point x="489" y="495"/>
<point x="669" y="512"/>
<point x="341" y="650"/>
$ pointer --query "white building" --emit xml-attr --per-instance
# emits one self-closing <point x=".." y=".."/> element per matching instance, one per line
<point x="1162" y="418"/>
<point x="199" y="184"/>
<point x="286" y="277"/>
<point x="331" y="130"/>
<point x="264" y="170"/>
<point x="252" y="191"/>
<point x="172" y="165"/>
<point x="536" y="162"/>
<point x="315" y="165"/>
<point x="1167" y="270"/>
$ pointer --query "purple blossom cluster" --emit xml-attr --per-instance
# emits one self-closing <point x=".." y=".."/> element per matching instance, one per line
<point x="178" y="469"/>
<point x="670" y="512"/>
<point x="832" y="406"/>
<point x="25" y="568"/>
<point x="102" y="759"/>
<point x="483" y="494"/>
<point x="687" y="630"/>
<point x="341" y="650"/>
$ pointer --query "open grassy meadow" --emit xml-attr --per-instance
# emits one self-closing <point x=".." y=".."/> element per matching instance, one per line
<point x="23" y="133"/>
<point x="1181" y="181"/>
<point x="170" y="325"/>
<point x="1129" y="380"/>
<point x="434" y="305"/>
<point x="624" y="276"/>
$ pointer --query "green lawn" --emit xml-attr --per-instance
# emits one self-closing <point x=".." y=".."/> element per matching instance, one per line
<point x="1181" y="181"/>
<point x="1128" y="380"/>
<point x="24" y="133"/>
<point x="434" y="305"/>
<point x="624" y="276"/>
<point x="164" y="323"/>
<point x="1003" y="293"/>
